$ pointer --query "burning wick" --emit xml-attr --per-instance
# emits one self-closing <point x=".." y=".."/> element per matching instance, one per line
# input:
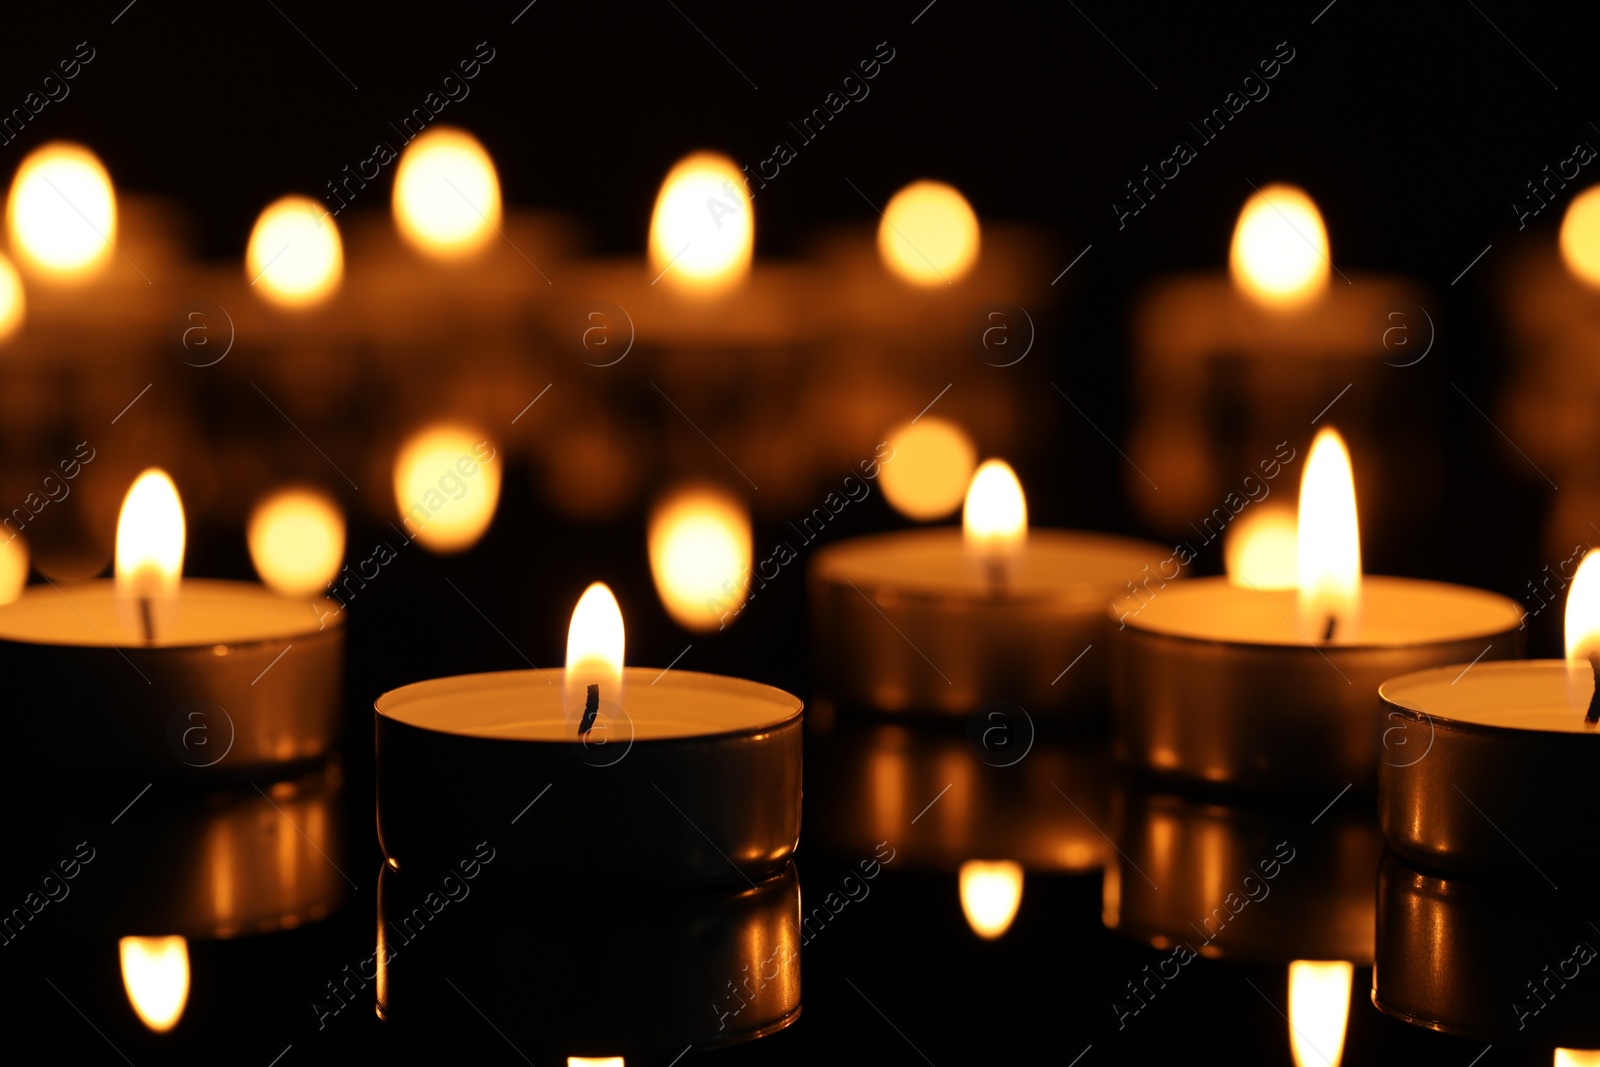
<point x="147" y="620"/>
<point x="591" y="708"/>
<point x="1327" y="631"/>
<point x="1593" y="715"/>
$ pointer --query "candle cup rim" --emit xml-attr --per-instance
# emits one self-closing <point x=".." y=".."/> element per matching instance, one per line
<point x="1392" y="705"/>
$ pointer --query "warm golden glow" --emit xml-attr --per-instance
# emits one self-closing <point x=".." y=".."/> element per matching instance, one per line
<point x="62" y="212"/>
<point x="991" y="892"/>
<point x="929" y="234"/>
<point x="595" y="641"/>
<point x="150" y="537"/>
<point x="1580" y="236"/>
<point x="295" y="257"/>
<point x="446" y="194"/>
<point x="155" y="972"/>
<point x="995" y="515"/>
<point x="702" y="234"/>
<point x="296" y="541"/>
<point x="1280" y="248"/>
<point x="1319" y="1011"/>
<point x="446" y="485"/>
<point x="594" y="1061"/>
<point x="1582" y="622"/>
<point x="1260" y="549"/>
<point x="1328" y="554"/>
<point x="932" y="462"/>
<point x="13" y="568"/>
<point x="1577" y="1057"/>
<point x="700" y="553"/>
<point x="13" y="300"/>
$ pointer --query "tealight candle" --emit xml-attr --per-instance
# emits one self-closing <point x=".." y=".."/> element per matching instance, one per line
<point x="942" y="620"/>
<point x="1244" y="686"/>
<point x="671" y="776"/>
<point x="152" y="673"/>
<point x="1499" y="759"/>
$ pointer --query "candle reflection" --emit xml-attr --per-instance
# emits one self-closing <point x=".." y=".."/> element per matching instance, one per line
<point x="991" y="893"/>
<point x="155" y="973"/>
<point x="1319" y="1011"/>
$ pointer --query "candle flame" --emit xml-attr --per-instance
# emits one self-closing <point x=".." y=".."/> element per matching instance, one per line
<point x="1328" y="555"/>
<point x="295" y="257"/>
<point x="702" y="234"/>
<point x="62" y="212"/>
<point x="1261" y="549"/>
<point x="296" y="541"/>
<point x="995" y="515"/>
<point x="1280" y="248"/>
<point x="594" y="1061"/>
<point x="991" y="893"/>
<point x="150" y="537"/>
<point x="1580" y="236"/>
<point x="595" y="642"/>
<point x="1577" y="1057"/>
<point x="929" y="234"/>
<point x="1319" y="1011"/>
<point x="700" y="552"/>
<point x="446" y="486"/>
<point x="1582" y="621"/>
<point x="13" y="299"/>
<point x="933" y="460"/>
<point x="447" y="194"/>
<point x="13" y="568"/>
<point x="155" y="973"/>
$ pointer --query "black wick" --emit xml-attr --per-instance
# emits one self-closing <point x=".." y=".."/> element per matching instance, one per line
<point x="1594" y="702"/>
<point x="591" y="708"/>
<point x="147" y="621"/>
<point x="1327" y="632"/>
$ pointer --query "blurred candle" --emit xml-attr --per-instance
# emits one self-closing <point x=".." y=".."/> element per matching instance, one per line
<point x="62" y="212"/>
<point x="932" y="466"/>
<point x="928" y="234"/>
<point x="991" y="893"/>
<point x="295" y="258"/>
<point x="1279" y="256"/>
<point x="13" y="299"/>
<point x="1580" y="236"/>
<point x="700" y="553"/>
<point x="155" y="973"/>
<point x="702" y="233"/>
<point x="447" y="194"/>
<point x="446" y="486"/>
<point x="296" y="541"/>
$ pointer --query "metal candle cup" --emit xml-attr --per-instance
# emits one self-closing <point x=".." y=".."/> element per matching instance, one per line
<point x="217" y="691"/>
<point x="913" y="622"/>
<point x="1214" y="683"/>
<point x="693" y="781"/>
<point x="1497" y="771"/>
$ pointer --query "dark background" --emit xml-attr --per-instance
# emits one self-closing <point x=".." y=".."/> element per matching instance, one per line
<point x="1413" y="126"/>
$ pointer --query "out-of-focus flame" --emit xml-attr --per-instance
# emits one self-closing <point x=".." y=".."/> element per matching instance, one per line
<point x="150" y="537"/>
<point x="1328" y="555"/>
<point x="595" y="641"/>
<point x="594" y="1061"/>
<point x="13" y="299"/>
<point x="1580" y="236"/>
<point x="702" y="234"/>
<point x="700" y="550"/>
<point x="991" y="893"/>
<point x="446" y="486"/>
<point x="1582" y="623"/>
<point x="295" y="257"/>
<point x="1280" y="248"/>
<point x="1261" y="549"/>
<point x="1577" y="1057"/>
<point x="447" y="194"/>
<point x="296" y="541"/>
<point x="1319" y="1011"/>
<point x="155" y="973"/>
<point x="13" y="568"/>
<point x="929" y="234"/>
<point x="930" y="467"/>
<point x="995" y="515"/>
<point x="62" y="212"/>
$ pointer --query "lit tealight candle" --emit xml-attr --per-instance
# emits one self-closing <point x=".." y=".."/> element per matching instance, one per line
<point x="929" y="234"/>
<point x="1228" y="683"/>
<point x="295" y="257"/>
<point x="1499" y="759"/>
<point x="668" y="776"/>
<point x="991" y="893"/>
<point x="62" y="213"/>
<point x="702" y="232"/>
<point x="945" y="619"/>
<point x="447" y="194"/>
<point x="114" y="666"/>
